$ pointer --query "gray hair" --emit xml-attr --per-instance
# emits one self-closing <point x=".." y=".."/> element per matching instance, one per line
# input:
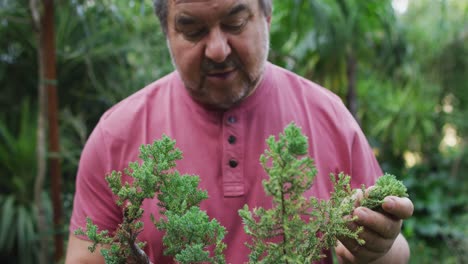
<point x="161" y="10"/>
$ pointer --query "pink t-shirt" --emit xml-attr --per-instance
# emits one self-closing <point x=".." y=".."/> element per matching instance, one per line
<point x="223" y="148"/>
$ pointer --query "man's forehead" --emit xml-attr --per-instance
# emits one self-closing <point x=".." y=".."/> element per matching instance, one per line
<point x="227" y="7"/>
<point x="185" y="11"/>
<point x="186" y="1"/>
<point x="195" y="1"/>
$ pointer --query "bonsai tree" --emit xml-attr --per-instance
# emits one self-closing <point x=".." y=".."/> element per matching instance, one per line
<point x="294" y="230"/>
<point x="179" y="199"/>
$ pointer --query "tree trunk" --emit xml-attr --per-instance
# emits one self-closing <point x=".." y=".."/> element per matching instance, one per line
<point x="54" y="148"/>
<point x="41" y="151"/>
<point x="43" y="18"/>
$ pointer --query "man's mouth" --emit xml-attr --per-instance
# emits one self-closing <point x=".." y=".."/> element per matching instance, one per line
<point x="224" y="74"/>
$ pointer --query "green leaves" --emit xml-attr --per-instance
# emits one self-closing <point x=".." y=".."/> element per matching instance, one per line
<point x="303" y="228"/>
<point x="294" y="230"/>
<point x="296" y="141"/>
<point x="180" y="193"/>
<point x="387" y="185"/>
<point x="189" y="231"/>
<point x="93" y="234"/>
<point x="7" y="210"/>
<point x="189" y="234"/>
<point x="332" y="216"/>
<point x="18" y="236"/>
<point x="17" y="154"/>
<point x="293" y="175"/>
<point x="18" y="233"/>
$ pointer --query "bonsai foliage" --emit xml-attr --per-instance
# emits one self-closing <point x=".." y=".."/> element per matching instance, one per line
<point x="188" y="229"/>
<point x="296" y="229"/>
<point x="384" y="186"/>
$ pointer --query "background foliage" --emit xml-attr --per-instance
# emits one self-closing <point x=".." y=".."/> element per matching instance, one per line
<point x="406" y="74"/>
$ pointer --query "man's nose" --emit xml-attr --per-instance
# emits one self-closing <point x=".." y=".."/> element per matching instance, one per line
<point x="217" y="46"/>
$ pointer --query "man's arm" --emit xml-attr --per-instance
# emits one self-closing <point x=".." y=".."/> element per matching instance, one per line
<point x="384" y="243"/>
<point x="78" y="253"/>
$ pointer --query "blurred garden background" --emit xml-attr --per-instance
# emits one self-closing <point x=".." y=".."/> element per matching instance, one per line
<point x="400" y="66"/>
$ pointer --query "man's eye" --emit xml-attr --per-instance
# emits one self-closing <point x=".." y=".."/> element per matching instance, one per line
<point x="234" y="27"/>
<point x="193" y="34"/>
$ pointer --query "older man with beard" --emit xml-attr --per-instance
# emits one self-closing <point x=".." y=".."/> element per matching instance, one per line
<point x="220" y="104"/>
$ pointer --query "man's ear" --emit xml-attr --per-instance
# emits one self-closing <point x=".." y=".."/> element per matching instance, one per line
<point x="268" y="19"/>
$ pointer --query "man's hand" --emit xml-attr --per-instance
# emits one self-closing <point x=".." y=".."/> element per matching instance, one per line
<point x="381" y="232"/>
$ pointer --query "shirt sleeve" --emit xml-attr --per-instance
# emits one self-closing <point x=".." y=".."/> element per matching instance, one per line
<point x="364" y="165"/>
<point x="93" y="198"/>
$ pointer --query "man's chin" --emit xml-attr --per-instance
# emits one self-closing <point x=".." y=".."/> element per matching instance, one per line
<point x="221" y="97"/>
<point x="225" y="103"/>
<point x="217" y="105"/>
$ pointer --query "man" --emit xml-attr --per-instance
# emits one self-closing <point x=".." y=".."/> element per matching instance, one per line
<point x="221" y="103"/>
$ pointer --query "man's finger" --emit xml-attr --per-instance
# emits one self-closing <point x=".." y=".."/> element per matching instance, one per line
<point x="370" y="250"/>
<point x="401" y="208"/>
<point x="357" y="197"/>
<point x="385" y="226"/>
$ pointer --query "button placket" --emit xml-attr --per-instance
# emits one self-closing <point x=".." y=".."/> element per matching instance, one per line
<point x="233" y="183"/>
<point x="232" y="139"/>
<point x="231" y="119"/>
<point x="233" y="163"/>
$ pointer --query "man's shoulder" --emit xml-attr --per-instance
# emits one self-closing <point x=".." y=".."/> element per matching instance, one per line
<point x="142" y="98"/>
<point x="132" y="112"/>
<point x="303" y="89"/>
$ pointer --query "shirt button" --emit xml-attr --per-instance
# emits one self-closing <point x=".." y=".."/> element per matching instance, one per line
<point x="232" y="119"/>
<point x="232" y="139"/>
<point x="233" y="163"/>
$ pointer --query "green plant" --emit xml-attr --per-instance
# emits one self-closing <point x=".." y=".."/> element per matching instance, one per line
<point x="384" y="186"/>
<point x="305" y="227"/>
<point x="17" y="154"/>
<point x="18" y="232"/>
<point x="437" y="230"/>
<point x="179" y="201"/>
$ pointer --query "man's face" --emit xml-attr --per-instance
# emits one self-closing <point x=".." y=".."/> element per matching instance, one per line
<point x="219" y="47"/>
